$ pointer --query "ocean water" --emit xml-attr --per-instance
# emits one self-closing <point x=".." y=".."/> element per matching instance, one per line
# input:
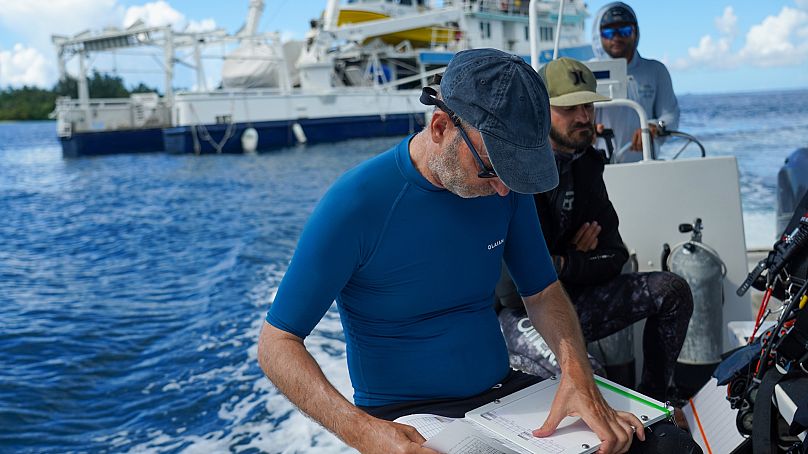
<point x="133" y="287"/>
<point x="761" y="130"/>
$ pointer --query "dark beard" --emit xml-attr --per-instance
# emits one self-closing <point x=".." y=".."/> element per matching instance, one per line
<point x="567" y="142"/>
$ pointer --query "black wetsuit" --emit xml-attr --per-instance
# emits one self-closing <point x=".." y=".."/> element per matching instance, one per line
<point x="581" y="197"/>
<point x="606" y="300"/>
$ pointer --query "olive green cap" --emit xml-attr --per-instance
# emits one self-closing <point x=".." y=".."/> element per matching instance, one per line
<point x="570" y="83"/>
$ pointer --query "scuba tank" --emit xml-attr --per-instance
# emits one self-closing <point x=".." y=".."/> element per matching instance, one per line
<point x="704" y="272"/>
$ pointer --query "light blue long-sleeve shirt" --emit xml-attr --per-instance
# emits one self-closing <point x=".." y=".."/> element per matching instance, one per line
<point x="649" y="85"/>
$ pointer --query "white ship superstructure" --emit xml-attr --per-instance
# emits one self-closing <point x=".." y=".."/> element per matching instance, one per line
<point x="356" y="74"/>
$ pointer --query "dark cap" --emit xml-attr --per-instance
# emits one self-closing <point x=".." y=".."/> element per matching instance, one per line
<point x="505" y="99"/>
<point x="618" y="14"/>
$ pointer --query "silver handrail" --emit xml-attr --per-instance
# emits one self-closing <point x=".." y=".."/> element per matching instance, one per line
<point x="647" y="149"/>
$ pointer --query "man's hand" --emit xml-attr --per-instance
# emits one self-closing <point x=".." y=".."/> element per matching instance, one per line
<point x="383" y="437"/>
<point x="636" y="139"/>
<point x="614" y="428"/>
<point x="586" y="239"/>
<point x="553" y="316"/>
<point x="599" y="128"/>
<point x="288" y="364"/>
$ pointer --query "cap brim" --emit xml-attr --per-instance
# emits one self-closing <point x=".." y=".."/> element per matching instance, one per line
<point x="522" y="169"/>
<point x="577" y="98"/>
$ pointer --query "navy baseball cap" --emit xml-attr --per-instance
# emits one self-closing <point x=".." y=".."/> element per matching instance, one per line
<point x="618" y="14"/>
<point x="505" y="99"/>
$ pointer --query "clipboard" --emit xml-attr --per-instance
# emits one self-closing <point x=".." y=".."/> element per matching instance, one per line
<point x="515" y="416"/>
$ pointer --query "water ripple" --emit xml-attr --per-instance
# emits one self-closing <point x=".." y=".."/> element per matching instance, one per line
<point x="133" y="287"/>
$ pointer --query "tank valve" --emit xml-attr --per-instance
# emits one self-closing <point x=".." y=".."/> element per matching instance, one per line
<point x="696" y="227"/>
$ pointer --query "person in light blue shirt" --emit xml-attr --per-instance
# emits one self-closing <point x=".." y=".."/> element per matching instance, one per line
<point x="410" y="244"/>
<point x="616" y="34"/>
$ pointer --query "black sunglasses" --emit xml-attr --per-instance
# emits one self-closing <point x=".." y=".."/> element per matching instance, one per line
<point x="429" y="97"/>
<point x="625" y="31"/>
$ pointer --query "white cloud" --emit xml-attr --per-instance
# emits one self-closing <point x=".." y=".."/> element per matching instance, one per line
<point x="153" y="14"/>
<point x="726" y="23"/>
<point x="34" y="21"/>
<point x="711" y="51"/>
<point x="778" y="40"/>
<point x="160" y="13"/>
<point x="715" y="52"/>
<point x="201" y="26"/>
<point x="23" y="66"/>
<point x="770" y="42"/>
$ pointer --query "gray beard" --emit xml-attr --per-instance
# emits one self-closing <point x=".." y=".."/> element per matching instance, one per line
<point x="446" y="167"/>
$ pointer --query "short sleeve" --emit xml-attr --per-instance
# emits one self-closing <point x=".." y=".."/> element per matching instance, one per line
<point x="327" y="254"/>
<point x="526" y="252"/>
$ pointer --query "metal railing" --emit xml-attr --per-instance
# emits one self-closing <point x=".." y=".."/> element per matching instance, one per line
<point x="109" y="114"/>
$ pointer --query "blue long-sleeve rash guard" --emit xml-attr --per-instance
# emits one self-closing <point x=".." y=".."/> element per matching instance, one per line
<point x="413" y="269"/>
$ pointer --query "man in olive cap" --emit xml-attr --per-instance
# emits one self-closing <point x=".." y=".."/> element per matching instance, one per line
<point x="410" y="244"/>
<point x="580" y="226"/>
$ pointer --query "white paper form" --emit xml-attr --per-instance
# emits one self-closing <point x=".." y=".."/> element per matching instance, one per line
<point x="712" y="420"/>
<point x="427" y="425"/>
<point x="462" y="437"/>
<point x="517" y="415"/>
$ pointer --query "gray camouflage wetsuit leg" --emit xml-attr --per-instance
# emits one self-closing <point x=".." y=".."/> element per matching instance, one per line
<point x="662" y="298"/>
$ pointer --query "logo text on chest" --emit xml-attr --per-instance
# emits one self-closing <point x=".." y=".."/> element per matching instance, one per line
<point x="568" y="201"/>
<point x="497" y="243"/>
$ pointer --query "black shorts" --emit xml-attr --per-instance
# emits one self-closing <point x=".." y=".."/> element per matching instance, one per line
<point x="455" y="407"/>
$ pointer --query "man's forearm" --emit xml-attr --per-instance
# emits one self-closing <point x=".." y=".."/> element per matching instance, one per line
<point x="553" y="316"/>
<point x="288" y="364"/>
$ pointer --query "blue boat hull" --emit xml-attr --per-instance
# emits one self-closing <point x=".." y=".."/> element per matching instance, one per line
<point x="275" y="134"/>
<point x="112" y="142"/>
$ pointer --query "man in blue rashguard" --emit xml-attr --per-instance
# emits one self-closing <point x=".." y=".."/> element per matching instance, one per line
<point x="410" y="244"/>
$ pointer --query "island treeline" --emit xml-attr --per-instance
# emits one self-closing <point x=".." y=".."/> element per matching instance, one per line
<point x="35" y="103"/>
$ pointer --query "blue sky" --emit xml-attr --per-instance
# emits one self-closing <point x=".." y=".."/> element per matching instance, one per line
<point x="709" y="46"/>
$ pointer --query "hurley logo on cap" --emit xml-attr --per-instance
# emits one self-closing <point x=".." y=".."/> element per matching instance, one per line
<point x="577" y="77"/>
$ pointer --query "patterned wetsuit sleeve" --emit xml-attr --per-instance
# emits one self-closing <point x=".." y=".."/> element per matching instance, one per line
<point x="326" y="256"/>
<point x="666" y="107"/>
<point x="607" y="260"/>
<point x="526" y="252"/>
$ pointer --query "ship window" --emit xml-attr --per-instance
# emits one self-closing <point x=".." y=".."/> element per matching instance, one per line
<point x="485" y="29"/>
<point x="546" y="33"/>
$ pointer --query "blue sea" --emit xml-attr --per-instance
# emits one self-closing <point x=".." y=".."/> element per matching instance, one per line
<point x="133" y="287"/>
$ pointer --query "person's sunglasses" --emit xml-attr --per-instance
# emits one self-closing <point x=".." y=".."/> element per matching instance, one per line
<point x="624" y="32"/>
<point x="429" y="97"/>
